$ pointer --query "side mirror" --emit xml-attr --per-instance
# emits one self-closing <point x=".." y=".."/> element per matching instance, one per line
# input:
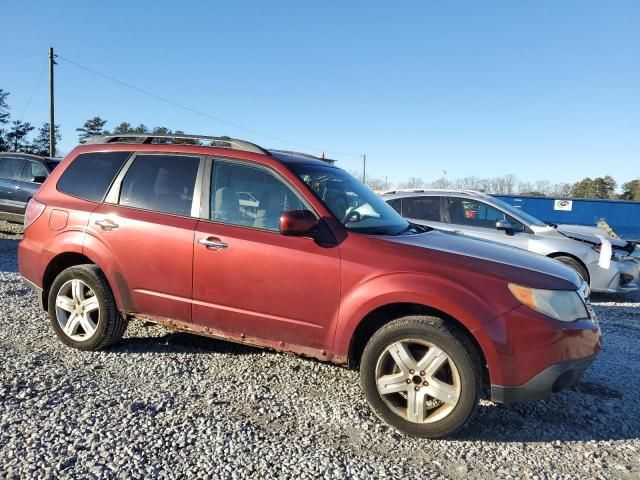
<point x="298" y="223"/>
<point x="505" y="225"/>
<point x="38" y="179"/>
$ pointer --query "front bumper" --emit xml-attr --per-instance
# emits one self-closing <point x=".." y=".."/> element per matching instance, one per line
<point x="551" y="380"/>
<point x="620" y="277"/>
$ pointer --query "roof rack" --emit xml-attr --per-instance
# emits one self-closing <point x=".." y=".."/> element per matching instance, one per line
<point x="302" y="154"/>
<point x="150" y="138"/>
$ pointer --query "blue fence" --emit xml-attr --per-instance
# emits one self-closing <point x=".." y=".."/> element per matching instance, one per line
<point x="622" y="216"/>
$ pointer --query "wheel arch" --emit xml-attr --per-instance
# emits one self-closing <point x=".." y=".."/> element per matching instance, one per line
<point x="555" y="255"/>
<point x="384" y="314"/>
<point x="63" y="261"/>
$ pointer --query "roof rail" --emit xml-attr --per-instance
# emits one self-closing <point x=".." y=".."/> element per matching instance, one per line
<point x="150" y="138"/>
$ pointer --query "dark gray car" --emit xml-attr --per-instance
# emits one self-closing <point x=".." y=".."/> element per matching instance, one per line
<point x="21" y="175"/>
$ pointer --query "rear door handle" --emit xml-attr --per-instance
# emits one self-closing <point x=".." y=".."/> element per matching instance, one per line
<point x="212" y="243"/>
<point x="18" y="187"/>
<point x="106" y="224"/>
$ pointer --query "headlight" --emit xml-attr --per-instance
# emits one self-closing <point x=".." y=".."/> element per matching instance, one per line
<point x="563" y="305"/>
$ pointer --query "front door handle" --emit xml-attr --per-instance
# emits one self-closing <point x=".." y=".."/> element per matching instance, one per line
<point x="106" y="224"/>
<point x="18" y="187"/>
<point x="212" y="243"/>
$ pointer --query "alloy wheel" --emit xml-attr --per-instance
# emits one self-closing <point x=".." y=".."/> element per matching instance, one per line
<point x="77" y="310"/>
<point x="425" y="390"/>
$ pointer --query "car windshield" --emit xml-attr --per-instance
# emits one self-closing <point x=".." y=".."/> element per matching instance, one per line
<point x="519" y="213"/>
<point x="354" y="204"/>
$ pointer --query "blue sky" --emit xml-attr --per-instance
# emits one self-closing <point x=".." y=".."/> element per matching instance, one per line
<point x="543" y="89"/>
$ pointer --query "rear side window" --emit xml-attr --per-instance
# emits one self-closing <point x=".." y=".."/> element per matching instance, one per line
<point x="162" y="183"/>
<point x="396" y="204"/>
<point x="90" y="174"/>
<point x="421" y="208"/>
<point x="10" y="168"/>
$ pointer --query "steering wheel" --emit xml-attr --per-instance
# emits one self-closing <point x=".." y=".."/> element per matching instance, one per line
<point x="350" y="215"/>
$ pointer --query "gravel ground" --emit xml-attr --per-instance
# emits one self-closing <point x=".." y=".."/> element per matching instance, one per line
<point x="166" y="405"/>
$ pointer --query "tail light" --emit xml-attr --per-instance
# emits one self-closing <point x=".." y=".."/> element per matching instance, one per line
<point x="33" y="211"/>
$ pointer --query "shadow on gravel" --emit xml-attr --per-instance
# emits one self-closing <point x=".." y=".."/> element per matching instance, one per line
<point x="181" y="342"/>
<point x="8" y="255"/>
<point x="593" y="414"/>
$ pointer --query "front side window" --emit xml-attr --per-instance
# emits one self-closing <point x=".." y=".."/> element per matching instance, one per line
<point x="351" y="202"/>
<point x="90" y="174"/>
<point x="250" y="196"/>
<point x="162" y="183"/>
<point x="473" y="213"/>
<point x="10" y="168"/>
<point x="32" y="171"/>
<point x="422" y="208"/>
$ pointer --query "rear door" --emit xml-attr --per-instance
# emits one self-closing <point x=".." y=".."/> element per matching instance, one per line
<point x="147" y="223"/>
<point x="10" y="196"/>
<point x="249" y="279"/>
<point x="26" y="184"/>
<point x="423" y="210"/>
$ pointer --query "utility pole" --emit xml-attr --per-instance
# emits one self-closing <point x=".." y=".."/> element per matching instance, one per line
<point x="52" y="124"/>
<point x="364" y="168"/>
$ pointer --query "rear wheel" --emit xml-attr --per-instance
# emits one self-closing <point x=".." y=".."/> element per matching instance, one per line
<point x="576" y="265"/>
<point x="82" y="309"/>
<point x="421" y="376"/>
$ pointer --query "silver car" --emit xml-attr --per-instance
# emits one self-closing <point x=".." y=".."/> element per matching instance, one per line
<point x="608" y="264"/>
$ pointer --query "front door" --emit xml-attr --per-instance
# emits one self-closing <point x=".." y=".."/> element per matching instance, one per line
<point x="478" y="219"/>
<point x="149" y="230"/>
<point x="250" y="280"/>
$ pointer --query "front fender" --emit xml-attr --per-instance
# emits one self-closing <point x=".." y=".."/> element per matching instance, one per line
<point x="468" y="307"/>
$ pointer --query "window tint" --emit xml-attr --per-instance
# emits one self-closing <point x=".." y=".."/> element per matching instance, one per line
<point x="10" y="167"/>
<point x="163" y="183"/>
<point x="478" y="214"/>
<point x="396" y="203"/>
<point x="422" y="208"/>
<point x="31" y="170"/>
<point x="90" y="174"/>
<point x="250" y="196"/>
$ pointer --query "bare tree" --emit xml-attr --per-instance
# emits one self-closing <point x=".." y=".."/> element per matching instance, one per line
<point x="412" y="182"/>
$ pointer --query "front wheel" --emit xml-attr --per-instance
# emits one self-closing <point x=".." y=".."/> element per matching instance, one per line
<point x="577" y="266"/>
<point x="421" y="376"/>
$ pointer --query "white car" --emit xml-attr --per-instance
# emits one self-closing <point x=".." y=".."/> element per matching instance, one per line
<point x="608" y="264"/>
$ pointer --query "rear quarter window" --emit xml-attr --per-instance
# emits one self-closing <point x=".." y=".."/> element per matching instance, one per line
<point x="90" y="174"/>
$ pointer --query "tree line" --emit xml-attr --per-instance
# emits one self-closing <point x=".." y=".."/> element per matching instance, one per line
<point x="17" y="136"/>
<point x="96" y="126"/>
<point x="598" y="188"/>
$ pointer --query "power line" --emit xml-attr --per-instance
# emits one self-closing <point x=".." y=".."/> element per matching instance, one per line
<point x="198" y="112"/>
<point x="35" y="87"/>
<point x="17" y="59"/>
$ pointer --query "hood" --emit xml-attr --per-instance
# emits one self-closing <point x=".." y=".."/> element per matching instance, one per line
<point x="510" y="263"/>
<point x="589" y="234"/>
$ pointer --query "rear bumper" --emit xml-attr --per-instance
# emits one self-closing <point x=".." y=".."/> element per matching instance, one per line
<point x="551" y="380"/>
<point x="37" y="290"/>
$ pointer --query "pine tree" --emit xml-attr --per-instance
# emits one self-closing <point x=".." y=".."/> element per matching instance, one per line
<point x="40" y="144"/>
<point x="17" y="135"/>
<point x="92" y="128"/>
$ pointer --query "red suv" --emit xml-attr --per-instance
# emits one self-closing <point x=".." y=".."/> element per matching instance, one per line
<point x="315" y="263"/>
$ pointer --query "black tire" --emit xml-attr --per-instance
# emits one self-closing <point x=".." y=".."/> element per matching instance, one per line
<point x="458" y="348"/>
<point x="576" y="265"/>
<point x="111" y="324"/>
